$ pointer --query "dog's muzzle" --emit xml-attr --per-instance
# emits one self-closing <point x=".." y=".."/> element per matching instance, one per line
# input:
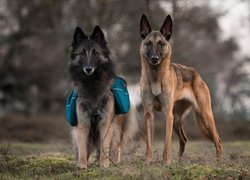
<point x="88" y="70"/>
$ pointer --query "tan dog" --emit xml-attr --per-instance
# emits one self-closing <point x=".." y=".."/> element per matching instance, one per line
<point x="173" y="89"/>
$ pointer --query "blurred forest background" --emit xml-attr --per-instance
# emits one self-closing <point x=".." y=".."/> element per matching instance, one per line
<point x="34" y="42"/>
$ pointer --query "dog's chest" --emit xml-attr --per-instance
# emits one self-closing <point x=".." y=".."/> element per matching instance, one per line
<point x="156" y="88"/>
<point x="155" y="82"/>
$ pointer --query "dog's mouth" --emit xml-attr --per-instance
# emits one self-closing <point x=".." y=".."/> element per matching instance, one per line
<point x="88" y="70"/>
<point x="155" y="63"/>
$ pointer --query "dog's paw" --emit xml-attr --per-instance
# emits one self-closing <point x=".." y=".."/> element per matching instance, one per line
<point x="82" y="165"/>
<point x="180" y="159"/>
<point x="104" y="163"/>
<point x="149" y="157"/>
<point x="166" y="162"/>
<point x="149" y="160"/>
<point x="118" y="160"/>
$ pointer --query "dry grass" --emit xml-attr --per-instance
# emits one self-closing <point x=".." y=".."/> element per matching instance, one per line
<point x="40" y="148"/>
<point x="54" y="161"/>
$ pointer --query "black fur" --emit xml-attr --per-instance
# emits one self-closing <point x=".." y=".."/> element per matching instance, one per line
<point x="145" y="27"/>
<point x="93" y="89"/>
<point x="166" y="28"/>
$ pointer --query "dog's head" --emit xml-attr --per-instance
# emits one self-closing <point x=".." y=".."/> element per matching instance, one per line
<point x="155" y="44"/>
<point x="88" y="53"/>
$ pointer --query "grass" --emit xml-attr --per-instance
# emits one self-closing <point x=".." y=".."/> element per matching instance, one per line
<point x="55" y="161"/>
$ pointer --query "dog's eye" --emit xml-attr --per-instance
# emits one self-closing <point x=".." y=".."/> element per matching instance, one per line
<point x="76" y="60"/>
<point x="83" y="53"/>
<point x="95" y="53"/>
<point x="160" y="44"/>
<point x="148" y="44"/>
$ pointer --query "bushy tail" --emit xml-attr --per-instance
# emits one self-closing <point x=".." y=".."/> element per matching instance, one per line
<point x="130" y="124"/>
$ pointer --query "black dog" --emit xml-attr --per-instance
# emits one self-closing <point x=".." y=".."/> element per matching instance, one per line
<point x="93" y="74"/>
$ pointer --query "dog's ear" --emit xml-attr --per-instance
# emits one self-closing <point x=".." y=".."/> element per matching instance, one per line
<point x="78" y="35"/>
<point x="166" y="28"/>
<point x="145" y="27"/>
<point x="98" y="35"/>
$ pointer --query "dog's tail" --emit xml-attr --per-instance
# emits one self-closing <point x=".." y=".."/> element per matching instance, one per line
<point x="131" y="123"/>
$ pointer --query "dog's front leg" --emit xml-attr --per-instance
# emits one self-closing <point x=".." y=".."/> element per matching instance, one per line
<point x="82" y="131"/>
<point x="149" y="125"/>
<point x="149" y="122"/>
<point x="106" y="132"/>
<point x="106" y="137"/>
<point x="148" y="104"/>
<point x="168" y="112"/>
<point x="81" y="134"/>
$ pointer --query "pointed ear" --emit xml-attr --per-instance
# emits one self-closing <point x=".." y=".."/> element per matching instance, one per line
<point x="98" y="35"/>
<point x="166" y="28"/>
<point x="145" y="28"/>
<point x="78" y="35"/>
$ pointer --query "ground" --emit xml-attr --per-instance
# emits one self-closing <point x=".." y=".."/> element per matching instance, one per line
<point x="54" y="160"/>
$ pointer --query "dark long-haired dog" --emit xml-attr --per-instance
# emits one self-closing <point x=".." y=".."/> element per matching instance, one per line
<point x="92" y="72"/>
<point x="173" y="89"/>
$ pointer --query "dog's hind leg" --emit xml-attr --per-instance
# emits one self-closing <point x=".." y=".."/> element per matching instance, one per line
<point x="206" y="124"/>
<point x="117" y="148"/>
<point x="204" y="116"/>
<point x="116" y="143"/>
<point x="75" y="149"/>
<point x="178" y="128"/>
<point x="180" y="109"/>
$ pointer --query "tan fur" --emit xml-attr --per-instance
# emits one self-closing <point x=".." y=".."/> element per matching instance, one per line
<point x="82" y="139"/>
<point x="115" y="131"/>
<point x="174" y="89"/>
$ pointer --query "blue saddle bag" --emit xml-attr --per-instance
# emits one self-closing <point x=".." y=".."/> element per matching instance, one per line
<point x="121" y="97"/>
<point x="71" y="108"/>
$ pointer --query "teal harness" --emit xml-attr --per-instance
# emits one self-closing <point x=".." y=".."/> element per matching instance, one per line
<point x="121" y="97"/>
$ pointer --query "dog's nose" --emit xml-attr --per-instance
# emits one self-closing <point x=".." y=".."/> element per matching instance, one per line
<point x="154" y="59"/>
<point x="88" y="70"/>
